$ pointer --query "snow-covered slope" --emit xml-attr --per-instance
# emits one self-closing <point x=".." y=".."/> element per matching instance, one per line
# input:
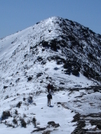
<point x="57" y="51"/>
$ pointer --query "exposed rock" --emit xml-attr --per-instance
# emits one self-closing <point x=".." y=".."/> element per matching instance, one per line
<point x="53" y="124"/>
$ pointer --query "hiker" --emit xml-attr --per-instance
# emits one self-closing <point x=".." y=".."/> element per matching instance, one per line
<point x="49" y="97"/>
<point x="50" y="88"/>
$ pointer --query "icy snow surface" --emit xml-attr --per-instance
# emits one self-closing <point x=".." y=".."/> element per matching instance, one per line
<point x="14" y="73"/>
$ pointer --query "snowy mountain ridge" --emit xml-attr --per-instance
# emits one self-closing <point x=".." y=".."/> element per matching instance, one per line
<point x="57" y="51"/>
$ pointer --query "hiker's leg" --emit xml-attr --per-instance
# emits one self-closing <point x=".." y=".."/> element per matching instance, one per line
<point x="47" y="102"/>
<point x="50" y="102"/>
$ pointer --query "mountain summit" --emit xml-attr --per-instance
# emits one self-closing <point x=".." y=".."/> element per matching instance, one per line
<point x="57" y="51"/>
<point x="55" y="45"/>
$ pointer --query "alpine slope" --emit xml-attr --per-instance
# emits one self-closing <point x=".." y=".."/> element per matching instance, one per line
<point x="63" y="53"/>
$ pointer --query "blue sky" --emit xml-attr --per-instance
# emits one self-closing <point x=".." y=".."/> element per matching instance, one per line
<point x="17" y="15"/>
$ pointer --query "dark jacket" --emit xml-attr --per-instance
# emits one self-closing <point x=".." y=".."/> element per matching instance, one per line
<point x="49" y="96"/>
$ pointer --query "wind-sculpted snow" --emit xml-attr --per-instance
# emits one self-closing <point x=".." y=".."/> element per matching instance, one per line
<point x="57" y="51"/>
